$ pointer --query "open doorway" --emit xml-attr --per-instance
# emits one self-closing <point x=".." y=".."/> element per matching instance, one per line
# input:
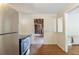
<point x="38" y="35"/>
<point x="73" y="31"/>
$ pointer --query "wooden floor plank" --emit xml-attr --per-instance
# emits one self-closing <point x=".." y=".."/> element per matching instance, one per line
<point x="47" y="50"/>
<point x="52" y="50"/>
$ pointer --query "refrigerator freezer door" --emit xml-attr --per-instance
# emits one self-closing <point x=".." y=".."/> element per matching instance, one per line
<point x="9" y="21"/>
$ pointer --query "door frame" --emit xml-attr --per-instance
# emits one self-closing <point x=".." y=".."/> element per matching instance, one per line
<point x="65" y="15"/>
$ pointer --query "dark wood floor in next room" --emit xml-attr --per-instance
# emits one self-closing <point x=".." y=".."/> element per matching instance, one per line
<point x="52" y="50"/>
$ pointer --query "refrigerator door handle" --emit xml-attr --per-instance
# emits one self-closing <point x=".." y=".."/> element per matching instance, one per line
<point x="8" y="33"/>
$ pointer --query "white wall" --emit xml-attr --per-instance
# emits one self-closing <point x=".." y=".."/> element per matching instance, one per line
<point x="73" y="27"/>
<point x="26" y="26"/>
<point x="61" y="41"/>
<point x="60" y="36"/>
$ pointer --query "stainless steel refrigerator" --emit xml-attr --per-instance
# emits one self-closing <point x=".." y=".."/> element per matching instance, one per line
<point x="9" y="43"/>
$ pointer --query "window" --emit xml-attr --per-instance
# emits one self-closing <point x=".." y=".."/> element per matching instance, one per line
<point x="60" y="24"/>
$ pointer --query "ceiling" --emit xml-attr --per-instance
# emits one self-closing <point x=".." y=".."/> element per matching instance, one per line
<point x="74" y="11"/>
<point x="39" y="7"/>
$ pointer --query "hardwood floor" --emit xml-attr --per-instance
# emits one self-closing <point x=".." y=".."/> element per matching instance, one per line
<point x="74" y="50"/>
<point x="40" y="49"/>
<point x="46" y="50"/>
<point x="52" y="50"/>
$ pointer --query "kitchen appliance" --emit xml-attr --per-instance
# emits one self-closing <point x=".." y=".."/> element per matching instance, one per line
<point x="9" y="43"/>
